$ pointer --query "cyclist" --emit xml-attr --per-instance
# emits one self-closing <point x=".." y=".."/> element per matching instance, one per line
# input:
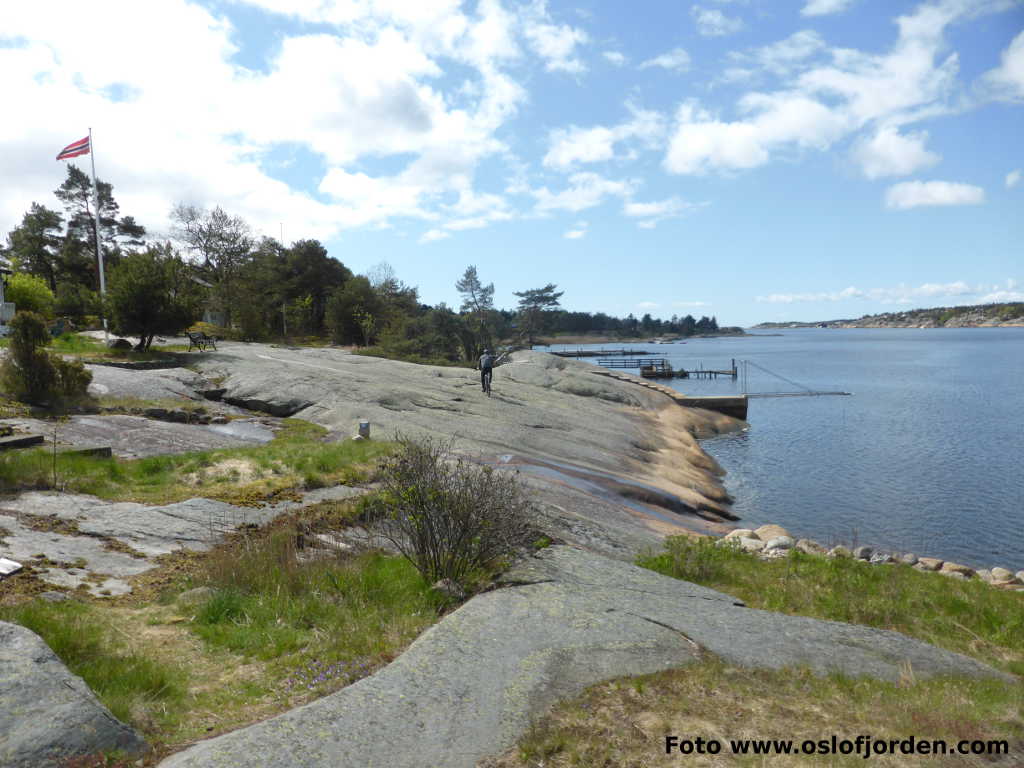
<point x="486" y="368"/>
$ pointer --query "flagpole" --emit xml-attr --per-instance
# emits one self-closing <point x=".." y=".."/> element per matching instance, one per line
<point x="99" y="250"/>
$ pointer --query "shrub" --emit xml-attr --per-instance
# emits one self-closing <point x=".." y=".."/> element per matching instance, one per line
<point x="30" y="293"/>
<point x="449" y="517"/>
<point x="32" y="375"/>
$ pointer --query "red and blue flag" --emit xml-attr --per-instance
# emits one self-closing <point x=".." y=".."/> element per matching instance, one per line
<point x="80" y="147"/>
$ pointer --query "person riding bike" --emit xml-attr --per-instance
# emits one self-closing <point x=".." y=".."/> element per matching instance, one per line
<point x="486" y="368"/>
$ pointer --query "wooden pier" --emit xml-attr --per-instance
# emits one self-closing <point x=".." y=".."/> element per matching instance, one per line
<point x="651" y="369"/>
<point x="654" y="363"/>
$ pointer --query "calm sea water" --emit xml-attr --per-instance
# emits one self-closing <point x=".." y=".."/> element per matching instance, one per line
<point x="927" y="455"/>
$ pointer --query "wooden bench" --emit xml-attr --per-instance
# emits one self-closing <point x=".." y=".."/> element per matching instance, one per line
<point x="200" y="341"/>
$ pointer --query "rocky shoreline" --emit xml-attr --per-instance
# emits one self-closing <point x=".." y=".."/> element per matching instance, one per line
<point x="770" y="542"/>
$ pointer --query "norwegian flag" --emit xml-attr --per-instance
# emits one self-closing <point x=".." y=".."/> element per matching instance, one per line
<point x="80" y="147"/>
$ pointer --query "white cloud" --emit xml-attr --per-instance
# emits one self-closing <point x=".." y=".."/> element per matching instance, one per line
<point x="571" y="146"/>
<point x="821" y="104"/>
<point x="690" y="304"/>
<point x="999" y="294"/>
<point x="555" y="43"/>
<point x="586" y="191"/>
<point x="646" y="305"/>
<point x="379" y="95"/>
<point x="900" y="294"/>
<point x="824" y="7"/>
<point x="432" y="235"/>
<point x="890" y="153"/>
<point x="702" y="143"/>
<point x="1007" y="80"/>
<point x="912" y="194"/>
<point x="676" y="60"/>
<point x="1013" y="179"/>
<point x="575" y="234"/>
<point x="615" y="58"/>
<point x="653" y="212"/>
<point x="711" y="22"/>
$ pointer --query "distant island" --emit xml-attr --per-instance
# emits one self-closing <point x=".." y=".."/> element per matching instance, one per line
<point x="976" y="316"/>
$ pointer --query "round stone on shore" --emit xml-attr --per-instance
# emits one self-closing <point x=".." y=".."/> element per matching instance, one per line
<point x="957" y="568"/>
<point x="779" y="542"/>
<point x="928" y="563"/>
<point x="985" y="575"/>
<point x="880" y="558"/>
<point x="1001" y="574"/>
<point x="769" y="532"/>
<point x="810" y="547"/>
<point x="908" y="558"/>
<point x="954" y="575"/>
<point x="863" y="553"/>
<point x="741" y="533"/>
<point x="751" y="545"/>
<point x="839" y="551"/>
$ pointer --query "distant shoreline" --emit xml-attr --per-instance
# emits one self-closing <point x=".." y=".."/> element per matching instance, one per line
<point x="583" y="339"/>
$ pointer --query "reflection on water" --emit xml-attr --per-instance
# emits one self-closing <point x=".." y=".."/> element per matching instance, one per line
<point x="925" y="456"/>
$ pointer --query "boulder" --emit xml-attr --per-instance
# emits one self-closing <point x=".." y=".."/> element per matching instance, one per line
<point x="928" y="564"/>
<point x="908" y="558"/>
<point x="810" y="547"/>
<point x="955" y="575"/>
<point x="948" y="568"/>
<point x="767" y="532"/>
<point x="751" y="545"/>
<point x="779" y="542"/>
<point x="741" y="533"/>
<point x="839" y="551"/>
<point x="985" y="575"/>
<point x="1020" y="576"/>
<point x="1002" y="574"/>
<point x="880" y="558"/>
<point x="119" y="344"/>
<point x="47" y="714"/>
<point x="863" y="553"/>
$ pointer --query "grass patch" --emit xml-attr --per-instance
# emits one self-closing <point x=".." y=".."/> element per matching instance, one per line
<point x="128" y="404"/>
<point x="134" y="686"/>
<point x="279" y="629"/>
<point x="295" y="460"/>
<point x="624" y="722"/>
<point x="969" y="617"/>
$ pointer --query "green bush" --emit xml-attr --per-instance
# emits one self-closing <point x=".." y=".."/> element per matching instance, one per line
<point x="30" y="293"/>
<point x="451" y="518"/>
<point x="31" y="374"/>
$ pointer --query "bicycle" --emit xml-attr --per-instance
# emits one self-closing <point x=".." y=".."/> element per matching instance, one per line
<point x="487" y="382"/>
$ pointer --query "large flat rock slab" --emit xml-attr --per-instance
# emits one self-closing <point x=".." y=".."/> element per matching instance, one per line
<point x="47" y="714"/>
<point x="83" y="537"/>
<point x="136" y="437"/>
<point x="565" y="619"/>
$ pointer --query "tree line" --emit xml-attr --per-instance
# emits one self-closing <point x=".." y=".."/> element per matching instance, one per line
<point x="213" y="267"/>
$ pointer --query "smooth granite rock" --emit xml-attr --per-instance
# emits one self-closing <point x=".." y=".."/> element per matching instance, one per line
<point x="48" y="714"/>
<point x="863" y="553"/>
<point x="810" y="547"/>
<point x="741" y="533"/>
<point x="767" y="532"/>
<point x="563" y="619"/>
<point x="779" y="542"/>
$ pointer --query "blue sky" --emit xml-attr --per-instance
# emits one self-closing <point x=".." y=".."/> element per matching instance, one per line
<point x="751" y="159"/>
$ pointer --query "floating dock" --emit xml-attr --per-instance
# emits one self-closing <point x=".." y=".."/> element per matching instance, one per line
<point x="730" y="405"/>
<point x="600" y="353"/>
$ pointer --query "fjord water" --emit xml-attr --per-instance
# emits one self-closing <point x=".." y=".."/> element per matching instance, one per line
<point x="926" y="455"/>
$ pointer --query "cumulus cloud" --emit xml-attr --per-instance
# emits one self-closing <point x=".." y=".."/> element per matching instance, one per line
<point x="889" y="153"/>
<point x="586" y="190"/>
<point x="1013" y="179"/>
<point x="690" y="304"/>
<point x="376" y="72"/>
<point x="999" y="294"/>
<point x="824" y="7"/>
<point x="914" y="194"/>
<point x="571" y="146"/>
<point x="676" y="60"/>
<point x="615" y="58"/>
<point x="821" y="104"/>
<point x="648" y="305"/>
<point x="711" y="22"/>
<point x="555" y="43"/>
<point x="1007" y="80"/>
<point x="432" y="235"/>
<point x="578" y="232"/>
